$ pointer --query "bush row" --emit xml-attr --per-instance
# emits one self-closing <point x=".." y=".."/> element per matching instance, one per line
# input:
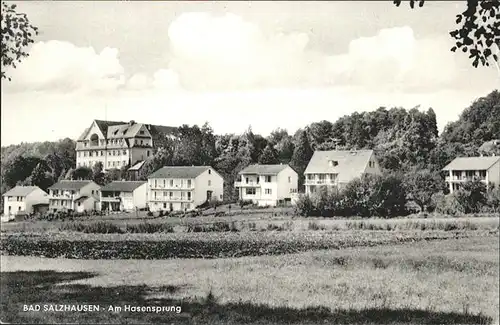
<point x="185" y="248"/>
<point x="103" y="227"/>
<point x="388" y="196"/>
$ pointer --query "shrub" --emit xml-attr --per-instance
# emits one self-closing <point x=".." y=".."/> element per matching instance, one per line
<point x="315" y="226"/>
<point x="244" y="203"/>
<point x="149" y="214"/>
<point x="149" y="228"/>
<point x="100" y="227"/>
<point x="304" y="206"/>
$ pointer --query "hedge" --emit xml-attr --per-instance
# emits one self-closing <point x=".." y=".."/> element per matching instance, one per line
<point x="99" y="248"/>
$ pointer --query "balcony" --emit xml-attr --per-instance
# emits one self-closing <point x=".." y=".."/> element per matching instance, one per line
<point x="171" y="187"/>
<point x="463" y="178"/>
<point x="110" y="199"/>
<point x="320" y="182"/>
<point x="245" y="184"/>
<point x="171" y="199"/>
<point x="62" y="197"/>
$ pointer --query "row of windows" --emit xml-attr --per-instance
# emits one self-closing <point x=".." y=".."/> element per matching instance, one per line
<point x="17" y="198"/>
<point x="322" y="176"/>
<point x="170" y="195"/>
<point x="267" y="179"/>
<point x="252" y="191"/>
<point x="171" y="183"/>
<point x="114" y="142"/>
<point x="186" y="206"/>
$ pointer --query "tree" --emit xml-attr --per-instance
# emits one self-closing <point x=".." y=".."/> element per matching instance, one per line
<point x="269" y="156"/>
<point x="301" y="156"/>
<point x="41" y="176"/>
<point x="97" y="173"/>
<point x="375" y="195"/>
<point x="82" y="173"/>
<point x="472" y="196"/>
<point x="17" y="34"/>
<point x="19" y="169"/>
<point x="421" y="185"/>
<point x="478" y="32"/>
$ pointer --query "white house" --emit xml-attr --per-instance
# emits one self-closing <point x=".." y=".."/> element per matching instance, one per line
<point x="79" y="196"/>
<point x="267" y="185"/>
<point x="462" y="169"/>
<point x="181" y="188"/>
<point x="336" y="168"/>
<point x="124" y="196"/>
<point x="22" y="199"/>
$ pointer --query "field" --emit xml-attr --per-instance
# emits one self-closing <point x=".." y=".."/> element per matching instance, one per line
<point x="256" y="268"/>
<point x="440" y="282"/>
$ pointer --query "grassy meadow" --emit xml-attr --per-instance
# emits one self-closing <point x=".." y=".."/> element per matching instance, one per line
<point x="254" y="267"/>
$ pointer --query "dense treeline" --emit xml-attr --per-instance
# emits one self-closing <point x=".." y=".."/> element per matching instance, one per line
<point x="406" y="142"/>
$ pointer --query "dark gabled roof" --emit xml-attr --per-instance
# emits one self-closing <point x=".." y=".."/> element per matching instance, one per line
<point x="263" y="169"/>
<point x="350" y="163"/>
<point x="122" y="186"/>
<point x="69" y="185"/>
<point x="472" y="163"/>
<point x="21" y="190"/>
<point x="103" y="125"/>
<point x="155" y="130"/>
<point x="179" y="172"/>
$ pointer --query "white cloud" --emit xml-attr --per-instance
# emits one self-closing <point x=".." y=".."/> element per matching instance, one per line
<point x="226" y="52"/>
<point x="394" y="58"/>
<point x="58" y="65"/>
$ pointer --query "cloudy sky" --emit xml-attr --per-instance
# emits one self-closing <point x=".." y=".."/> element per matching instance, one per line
<point x="233" y="64"/>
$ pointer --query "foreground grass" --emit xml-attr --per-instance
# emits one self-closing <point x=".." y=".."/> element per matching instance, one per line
<point x="453" y="281"/>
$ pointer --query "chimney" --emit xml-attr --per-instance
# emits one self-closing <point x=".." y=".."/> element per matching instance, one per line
<point x="132" y="122"/>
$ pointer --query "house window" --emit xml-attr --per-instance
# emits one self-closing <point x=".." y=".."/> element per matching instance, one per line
<point x="92" y="191"/>
<point x="246" y="180"/>
<point x="289" y="179"/>
<point x="18" y="208"/>
<point x="209" y="183"/>
<point x="124" y="152"/>
<point x="182" y="195"/>
<point x="147" y="153"/>
<point x="188" y="206"/>
<point x="141" y="132"/>
<point x="164" y="194"/>
<point x="109" y="163"/>
<point x="268" y="179"/>
<point x="164" y="205"/>
<point x="189" y="183"/>
<point x="156" y="183"/>
<point x="333" y="163"/>
<point x="164" y="183"/>
<point x="102" y="153"/>
<point x="171" y="182"/>
<point x="79" y="204"/>
<point x="124" y="163"/>
<point x="85" y="153"/>
<point x="189" y="195"/>
<point x="268" y="191"/>
<point x="171" y="194"/>
<point x="209" y="171"/>
<point x="250" y="191"/>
